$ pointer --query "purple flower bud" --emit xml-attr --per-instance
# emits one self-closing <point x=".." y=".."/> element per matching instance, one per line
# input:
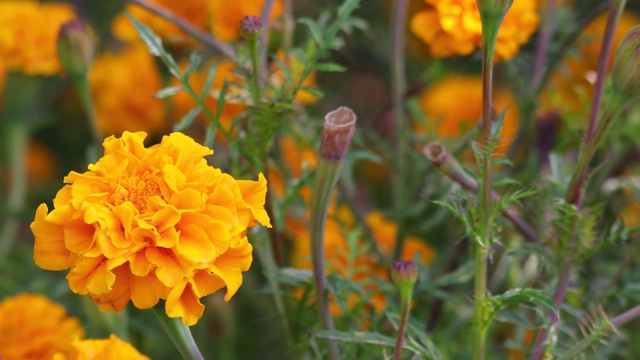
<point x="404" y="272"/>
<point x="251" y="27"/>
<point x="625" y="71"/>
<point x="76" y="47"/>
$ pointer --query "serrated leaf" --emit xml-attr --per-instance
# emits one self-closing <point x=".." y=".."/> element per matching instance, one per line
<point x="517" y="296"/>
<point x="154" y="44"/>
<point x="312" y="91"/>
<point x="316" y="33"/>
<point x="186" y="120"/>
<point x="169" y="91"/>
<point x="285" y="71"/>
<point x="330" y="67"/>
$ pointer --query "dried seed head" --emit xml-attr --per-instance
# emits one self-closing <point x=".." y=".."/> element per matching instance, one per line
<point x="339" y="126"/>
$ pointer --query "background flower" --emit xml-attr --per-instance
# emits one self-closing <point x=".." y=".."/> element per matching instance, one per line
<point x="122" y="84"/>
<point x="108" y="349"/>
<point x="28" y="35"/>
<point x="452" y="27"/>
<point x="34" y="327"/>
<point x="145" y="224"/>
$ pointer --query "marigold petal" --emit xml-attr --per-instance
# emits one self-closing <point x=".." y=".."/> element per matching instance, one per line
<point x="49" y="250"/>
<point x="229" y="266"/>
<point x="194" y="244"/>
<point x="93" y="275"/>
<point x="254" y="194"/>
<point x="146" y="291"/>
<point x="184" y="303"/>
<point x="119" y="293"/>
<point x="170" y="270"/>
<point x="188" y="200"/>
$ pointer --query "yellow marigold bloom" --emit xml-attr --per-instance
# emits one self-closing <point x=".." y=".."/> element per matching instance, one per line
<point x="452" y="27"/>
<point x="195" y="12"/>
<point x="108" y="349"/>
<point x="122" y="85"/>
<point x="226" y="16"/>
<point x="453" y="105"/>
<point x="144" y="224"/>
<point x="32" y="327"/>
<point x="28" y="35"/>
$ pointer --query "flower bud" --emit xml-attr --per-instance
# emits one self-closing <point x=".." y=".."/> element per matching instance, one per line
<point x="339" y="126"/>
<point x="625" y="71"/>
<point x="493" y="8"/>
<point x="404" y="274"/>
<point x="76" y="47"/>
<point x="251" y="27"/>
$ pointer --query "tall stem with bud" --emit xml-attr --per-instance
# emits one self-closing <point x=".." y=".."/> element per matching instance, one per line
<point x="339" y="126"/>
<point x="492" y="13"/>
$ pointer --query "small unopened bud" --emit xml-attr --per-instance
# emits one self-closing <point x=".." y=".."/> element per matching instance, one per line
<point x="76" y="47"/>
<point x="339" y="126"/>
<point x="625" y="71"/>
<point x="251" y="27"/>
<point x="494" y="7"/>
<point x="404" y="273"/>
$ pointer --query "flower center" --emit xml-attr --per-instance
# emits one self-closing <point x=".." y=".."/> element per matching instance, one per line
<point x="137" y="189"/>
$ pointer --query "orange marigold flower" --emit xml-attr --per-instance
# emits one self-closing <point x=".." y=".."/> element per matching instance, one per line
<point x="34" y="327"/>
<point x="112" y="348"/>
<point x="452" y="27"/>
<point x="28" y="35"/>
<point x="226" y="16"/>
<point x="195" y="12"/>
<point x="442" y="105"/>
<point x="122" y="85"/>
<point x="145" y="224"/>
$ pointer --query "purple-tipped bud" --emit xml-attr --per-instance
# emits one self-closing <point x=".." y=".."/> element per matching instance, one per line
<point x="404" y="272"/>
<point x="625" y="71"/>
<point x="339" y="126"/>
<point x="251" y="27"/>
<point x="76" y="47"/>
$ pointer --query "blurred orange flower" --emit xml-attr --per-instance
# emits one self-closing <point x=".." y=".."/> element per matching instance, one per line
<point x="226" y="16"/>
<point x="453" y="105"/>
<point x="122" y="84"/>
<point x="145" y="224"/>
<point x="108" y="349"/>
<point x="32" y="327"/>
<point x="571" y="84"/>
<point x="195" y="12"/>
<point x="28" y="35"/>
<point x="452" y="27"/>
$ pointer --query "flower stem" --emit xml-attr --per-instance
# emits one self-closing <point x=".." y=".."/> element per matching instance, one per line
<point x="17" y="139"/>
<point x="179" y="334"/>
<point x="82" y="84"/>
<point x="402" y="327"/>
<point x="326" y="177"/>
<point x="398" y="85"/>
<point x="542" y="47"/>
<point x="198" y="34"/>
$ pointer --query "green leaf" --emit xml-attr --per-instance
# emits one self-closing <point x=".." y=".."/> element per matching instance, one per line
<point x="312" y="91"/>
<point x="154" y="44"/>
<point x="313" y="28"/>
<point x="330" y="67"/>
<point x="186" y="120"/>
<point x="285" y="71"/>
<point x="169" y="91"/>
<point x="517" y="296"/>
<point x="372" y="338"/>
<point x="211" y="76"/>
<point x="194" y="62"/>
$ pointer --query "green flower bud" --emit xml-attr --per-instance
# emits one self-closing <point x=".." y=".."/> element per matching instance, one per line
<point x="492" y="9"/>
<point x="251" y="27"/>
<point x="404" y="274"/>
<point x="76" y="47"/>
<point x="625" y="71"/>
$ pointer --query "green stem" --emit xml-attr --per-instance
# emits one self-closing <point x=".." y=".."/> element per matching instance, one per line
<point x="180" y="335"/>
<point x="82" y="84"/>
<point x="326" y="177"/>
<point x="17" y="138"/>
<point x="398" y="85"/>
<point x="402" y="326"/>
<point x="481" y="314"/>
<point x="256" y="93"/>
